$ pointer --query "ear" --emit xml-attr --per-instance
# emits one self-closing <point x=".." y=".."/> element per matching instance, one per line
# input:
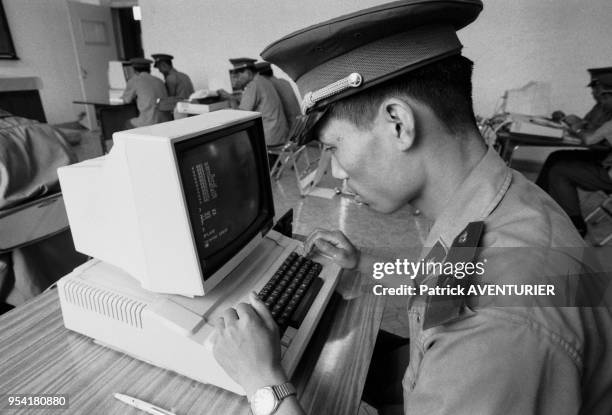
<point x="398" y="120"/>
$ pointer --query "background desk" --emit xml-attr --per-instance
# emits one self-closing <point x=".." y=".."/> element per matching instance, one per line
<point x="508" y="142"/>
<point x="99" y="105"/>
<point x="40" y="356"/>
<point x="111" y="118"/>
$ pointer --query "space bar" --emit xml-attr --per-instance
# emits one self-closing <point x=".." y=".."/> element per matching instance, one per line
<point x="302" y="309"/>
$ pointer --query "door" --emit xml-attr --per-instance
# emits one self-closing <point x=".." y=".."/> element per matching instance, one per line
<point x="94" y="46"/>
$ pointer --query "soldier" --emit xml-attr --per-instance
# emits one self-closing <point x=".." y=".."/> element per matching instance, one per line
<point x="261" y="96"/>
<point x="178" y="84"/>
<point x="565" y="171"/>
<point x="147" y="90"/>
<point x="285" y="92"/>
<point x="388" y="94"/>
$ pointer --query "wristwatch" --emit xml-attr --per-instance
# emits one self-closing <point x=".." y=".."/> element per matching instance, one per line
<point x="266" y="400"/>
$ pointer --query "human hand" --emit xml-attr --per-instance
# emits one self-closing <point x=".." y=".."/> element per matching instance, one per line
<point x="223" y="93"/>
<point x="246" y="344"/>
<point x="335" y="245"/>
<point x="573" y="121"/>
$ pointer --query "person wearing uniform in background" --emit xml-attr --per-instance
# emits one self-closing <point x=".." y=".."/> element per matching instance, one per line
<point x="178" y="84"/>
<point x="388" y="93"/>
<point x="147" y="90"/>
<point x="598" y="114"/>
<point x="565" y="171"/>
<point x="261" y="96"/>
<point x="285" y="92"/>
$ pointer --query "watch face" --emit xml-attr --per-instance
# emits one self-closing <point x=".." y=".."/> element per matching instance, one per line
<point x="263" y="401"/>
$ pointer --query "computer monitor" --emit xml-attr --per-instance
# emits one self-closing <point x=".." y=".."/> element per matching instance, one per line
<point x="118" y="74"/>
<point x="176" y="205"/>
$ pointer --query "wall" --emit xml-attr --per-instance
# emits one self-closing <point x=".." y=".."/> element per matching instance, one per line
<point x="41" y="34"/>
<point x="203" y="34"/>
<point x="512" y="42"/>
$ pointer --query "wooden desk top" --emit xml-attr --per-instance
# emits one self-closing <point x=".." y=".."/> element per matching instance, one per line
<point x="40" y="356"/>
<point x="98" y="103"/>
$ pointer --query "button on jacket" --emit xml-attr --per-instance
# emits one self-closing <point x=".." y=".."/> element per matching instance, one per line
<point x="488" y="357"/>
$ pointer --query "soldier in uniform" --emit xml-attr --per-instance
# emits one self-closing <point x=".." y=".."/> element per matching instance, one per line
<point x="147" y="90"/>
<point x="178" y="84"/>
<point x="261" y="96"/>
<point x="565" y="171"/>
<point x="285" y="92"/>
<point x="598" y="114"/>
<point x="388" y="94"/>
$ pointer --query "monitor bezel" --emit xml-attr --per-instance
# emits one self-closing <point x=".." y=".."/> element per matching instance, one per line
<point x="264" y="220"/>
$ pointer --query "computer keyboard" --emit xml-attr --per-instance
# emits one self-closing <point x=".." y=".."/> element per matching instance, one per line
<point x="291" y="291"/>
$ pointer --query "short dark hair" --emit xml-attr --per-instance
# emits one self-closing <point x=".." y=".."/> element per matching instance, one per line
<point x="267" y="72"/>
<point x="444" y="86"/>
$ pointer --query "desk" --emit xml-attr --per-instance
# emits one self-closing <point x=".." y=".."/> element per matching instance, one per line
<point x="111" y="118"/>
<point x="509" y="142"/>
<point x="99" y="105"/>
<point x="40" y="356"/>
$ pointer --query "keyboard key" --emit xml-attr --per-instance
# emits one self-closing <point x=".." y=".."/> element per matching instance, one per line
<point x="288" y="336"/>
<point x="305" y="303"/>
<point x="287" y="294"/>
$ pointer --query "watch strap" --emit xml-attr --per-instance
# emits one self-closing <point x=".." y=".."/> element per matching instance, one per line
<point x="283" y="390"/>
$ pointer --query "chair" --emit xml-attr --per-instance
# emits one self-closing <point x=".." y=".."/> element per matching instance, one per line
<point x="603" y="207"/>
<point x="286" y="154"/>
<point x="308" y="172"/>
<point x="114" y="118"/>
<point x="36" y="248"/>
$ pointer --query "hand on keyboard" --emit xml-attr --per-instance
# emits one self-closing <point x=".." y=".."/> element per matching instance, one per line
<point x="291" y="290"/>
<point x="334" y="245"/>
<point x="247" y="346"/>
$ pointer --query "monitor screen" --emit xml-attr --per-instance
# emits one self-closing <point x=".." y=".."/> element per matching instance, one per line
<point x="224" y="191"/>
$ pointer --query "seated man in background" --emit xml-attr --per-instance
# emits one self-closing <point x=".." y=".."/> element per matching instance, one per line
<point x="598" y="114"/>
<point x="567" y="170"/>
<point x="147" y="90"/>
<point x="285" y="92"/>
<point x="259" y="95"/>
<point x="389" y="95"/>
<point x="178" y="84"/>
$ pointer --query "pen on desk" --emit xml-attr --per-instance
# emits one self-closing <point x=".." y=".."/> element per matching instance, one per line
<point x="142" y="405"/>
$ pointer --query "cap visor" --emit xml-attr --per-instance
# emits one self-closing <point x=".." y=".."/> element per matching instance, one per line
<point x="303" y="130"/>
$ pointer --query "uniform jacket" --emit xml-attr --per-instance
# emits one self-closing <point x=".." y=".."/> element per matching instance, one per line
<point x="483" y="355"/>
<point x="261" y="96"/>
<point x="146" y="90"/>
<point x="288" y="98"/>
<point x="178" y="84"/>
